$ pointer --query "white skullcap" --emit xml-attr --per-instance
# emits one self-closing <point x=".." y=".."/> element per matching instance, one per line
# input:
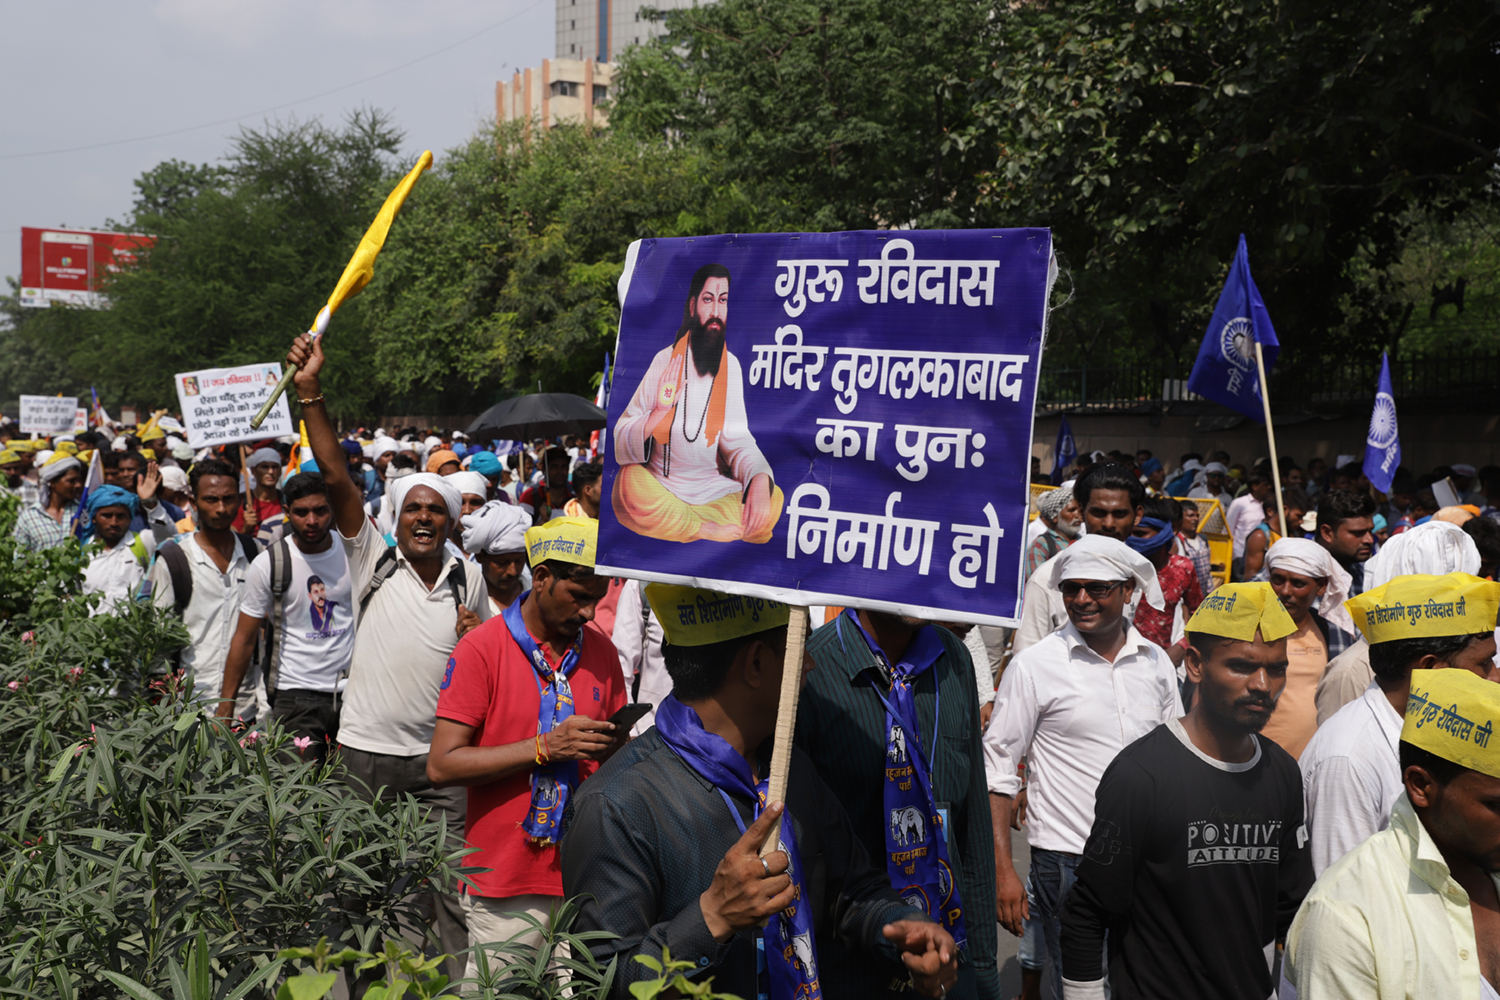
<point x="1095" y="557"/>
<point x="119" y="444"/>
<point x="495" y="528"/>
<point x="432" y="441"/>
<point x="398" y="488"/>
<point x="470" y="484"/>
<point x="1436" y="548"/>
<point x="1306" y="557"/>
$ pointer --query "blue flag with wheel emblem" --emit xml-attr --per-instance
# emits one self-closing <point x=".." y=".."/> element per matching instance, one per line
<point x="1383" y="443"/>
<point x="1225" y="371"/>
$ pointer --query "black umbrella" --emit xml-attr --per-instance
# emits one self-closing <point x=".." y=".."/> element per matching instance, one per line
<point x="537" y="415"/>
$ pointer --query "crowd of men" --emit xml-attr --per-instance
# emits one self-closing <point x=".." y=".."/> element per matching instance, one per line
<point x="1270" y="771"/>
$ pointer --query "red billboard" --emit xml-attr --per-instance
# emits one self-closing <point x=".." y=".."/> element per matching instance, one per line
<point x="70" y="265"/>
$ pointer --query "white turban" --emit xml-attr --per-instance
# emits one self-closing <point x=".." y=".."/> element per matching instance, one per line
<point x="1096" y="557"/>
<point x="495" y="528"/>
<point x="1436" y="547"/>
<point x="383" y="445"/>
<point x="263" y="456"/>
<point x="1306" y="557"/>
<point x="398" y="488"/>
<point x="174" y="479"/>
<point x="432" y="441"/>
<point x="52" y="470"/>
<point x="470" y="483"/>
<point x="379" y="433"/>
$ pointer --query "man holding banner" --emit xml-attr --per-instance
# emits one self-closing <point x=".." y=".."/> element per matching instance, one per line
<point x="684" y="805"/>
<point x="684" y="425"/>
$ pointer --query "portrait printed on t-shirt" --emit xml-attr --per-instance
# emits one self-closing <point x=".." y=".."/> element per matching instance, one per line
<point x="320" y="608"/>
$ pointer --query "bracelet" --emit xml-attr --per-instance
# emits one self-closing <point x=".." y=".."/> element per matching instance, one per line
<point x="308" y="402"/>
<point x="541" y="757"/>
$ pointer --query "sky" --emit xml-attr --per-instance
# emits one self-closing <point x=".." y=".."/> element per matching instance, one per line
<point x="91" y="73"/>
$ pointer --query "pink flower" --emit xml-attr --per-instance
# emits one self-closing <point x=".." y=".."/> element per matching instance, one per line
<point x="302" y="743"/>
<point x="75" y="672"/>
<point x="14" y="685"/>
<point x="28" y="637"/>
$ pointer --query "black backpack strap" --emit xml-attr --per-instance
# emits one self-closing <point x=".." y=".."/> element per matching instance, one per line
<point x="249" y="546"/>
<point x="458" y="582"/>
<point x="383" y="570"/>
<point x="274" y="636"/>
<point x="181" y="575"/>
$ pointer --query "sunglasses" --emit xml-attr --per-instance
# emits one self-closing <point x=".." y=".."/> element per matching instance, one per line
<point x="1097" y="591"/>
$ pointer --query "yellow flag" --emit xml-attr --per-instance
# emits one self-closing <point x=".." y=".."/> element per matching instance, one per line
<point x="361" y="266"/>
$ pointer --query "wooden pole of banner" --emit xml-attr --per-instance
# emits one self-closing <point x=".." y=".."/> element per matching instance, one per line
<point x="1265" y="400"/>
<point x="786" y="717"/>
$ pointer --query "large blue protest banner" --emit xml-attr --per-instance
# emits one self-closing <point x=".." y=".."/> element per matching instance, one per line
<point x="829" y="418"/>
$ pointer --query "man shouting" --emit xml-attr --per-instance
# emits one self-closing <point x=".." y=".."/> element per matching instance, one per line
<point x="689" y="467"/>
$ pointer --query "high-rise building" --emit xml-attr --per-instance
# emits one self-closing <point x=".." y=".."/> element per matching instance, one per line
<point x="559" y="90"/>
<point x="601" y="29"/>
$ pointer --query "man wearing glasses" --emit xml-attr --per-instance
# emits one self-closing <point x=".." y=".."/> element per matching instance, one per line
<point x="1068" y="705"/>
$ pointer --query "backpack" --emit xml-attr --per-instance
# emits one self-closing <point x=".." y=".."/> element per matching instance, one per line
<point x="273" y="632"/>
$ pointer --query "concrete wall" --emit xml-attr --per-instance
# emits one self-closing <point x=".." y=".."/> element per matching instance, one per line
<point x="1427" y="440"/>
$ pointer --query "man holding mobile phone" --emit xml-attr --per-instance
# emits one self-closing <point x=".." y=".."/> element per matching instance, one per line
<point x="521" y="722"/>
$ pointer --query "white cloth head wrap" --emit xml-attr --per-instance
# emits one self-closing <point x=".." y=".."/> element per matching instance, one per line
<point x="398" y="488"/>
<point x="495" y="528"/>
<point x="470" y="483"/>
<point x="174" y="479"/>
<point x="1306" y="557"/>
<point x="1095" y="557"/>
<point x="383" y="445"/>
<point x="261" y="456"/>
<point x="1436" y="547"/>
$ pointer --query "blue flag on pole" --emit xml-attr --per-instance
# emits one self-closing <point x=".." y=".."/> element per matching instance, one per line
<point x="1225" y="371"/>
<point x="1383" y="443"/>
<point x="1067" y="451"/>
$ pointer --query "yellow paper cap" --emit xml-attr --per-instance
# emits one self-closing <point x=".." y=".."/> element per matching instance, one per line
<point x="59" y="456"/>
<point x="1421" y="606"/>
<point x="693" y="617"/>
<point x="9" y="456"/>
<point x="566" y="539"/>
<point x="152" y="433"/>
<point x="67" y="448"/>
<point x="1237" y="610"/>
<point x="1452" y="713"/>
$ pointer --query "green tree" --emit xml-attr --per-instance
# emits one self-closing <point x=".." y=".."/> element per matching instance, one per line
<point x="1149" y="135"/>
<point x="832" y="112"/>
<point x="503" y="270"/>
<point x="246" y="253"/>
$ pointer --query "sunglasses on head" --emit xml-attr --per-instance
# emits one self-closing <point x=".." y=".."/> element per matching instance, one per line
<point x="1098" y="591"/>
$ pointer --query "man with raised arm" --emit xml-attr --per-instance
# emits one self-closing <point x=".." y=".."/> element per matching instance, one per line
<point x="414" y="601"/>
<point x="663" y="850"/>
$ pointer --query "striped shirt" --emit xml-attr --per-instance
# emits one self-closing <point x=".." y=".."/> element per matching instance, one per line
<point x="36" y="530"/>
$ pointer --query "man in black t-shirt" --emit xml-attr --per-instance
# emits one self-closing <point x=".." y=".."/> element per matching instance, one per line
<point x="1197" y="860"/>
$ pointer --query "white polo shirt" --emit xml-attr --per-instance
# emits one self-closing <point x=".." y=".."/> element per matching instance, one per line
<point x="401" y="647"/>
<point x="1069" y="711"/>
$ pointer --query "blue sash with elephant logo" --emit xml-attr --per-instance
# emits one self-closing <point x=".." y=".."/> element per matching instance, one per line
<point x="551" y="784"/>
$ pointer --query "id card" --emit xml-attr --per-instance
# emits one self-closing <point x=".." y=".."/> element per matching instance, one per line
<point x="944" y="810"/>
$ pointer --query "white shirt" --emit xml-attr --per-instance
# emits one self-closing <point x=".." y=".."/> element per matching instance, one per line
<point x="1069" y="711"/>
<point x="1244" y="514"/>
<point x="401" y="647"/>
<point x="316" y="643"/>
<point x="638" y="637"/>
<point x="1043" y="610"/>
<point x="117" y="572"/>
<point x="984" y="679"/>
<point x="211" y="618"/>
<point x="689" y="465"/>
<point x="1035" y="529"/>
<point x="1351" y="775"/>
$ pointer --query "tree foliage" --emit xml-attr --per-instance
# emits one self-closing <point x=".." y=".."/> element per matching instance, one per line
<point x="1149" y="135"/>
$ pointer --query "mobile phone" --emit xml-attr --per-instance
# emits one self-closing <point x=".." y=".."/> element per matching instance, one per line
<point x="627" y="717"/>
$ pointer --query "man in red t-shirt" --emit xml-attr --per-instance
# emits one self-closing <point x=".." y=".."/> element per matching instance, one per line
<point x="520" y="722"/>
<point x="1178" y="577"/>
